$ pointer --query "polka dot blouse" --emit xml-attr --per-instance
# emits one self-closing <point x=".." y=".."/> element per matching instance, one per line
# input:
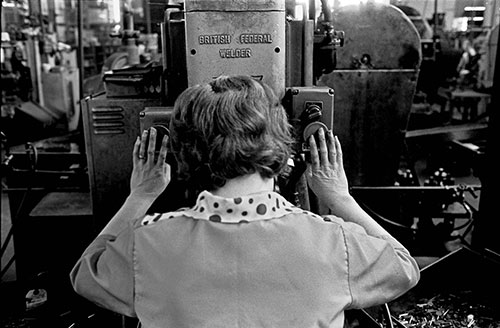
<point x="254" y="207"/>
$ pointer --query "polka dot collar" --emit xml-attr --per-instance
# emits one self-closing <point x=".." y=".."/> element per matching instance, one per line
<point x="253" y="207"/>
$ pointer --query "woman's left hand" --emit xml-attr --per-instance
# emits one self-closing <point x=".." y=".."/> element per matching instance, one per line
<point x="326" y="175"/>
<point x="150" y="176"/>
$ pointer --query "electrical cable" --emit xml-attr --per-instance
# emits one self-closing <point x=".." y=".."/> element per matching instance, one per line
<point x="469" y="222"/>
<point x="468" y="208"/>
<point x="380" y="217"/>
<point x="468" y="225"/>
<point x="470" y="212"/>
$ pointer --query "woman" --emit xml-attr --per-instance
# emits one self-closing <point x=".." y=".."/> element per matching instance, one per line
<point x="242" y="256"/>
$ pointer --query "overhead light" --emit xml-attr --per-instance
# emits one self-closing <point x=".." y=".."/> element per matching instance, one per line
<point x="475" y="8"/>
<point x="359" y="2"/>
<point x="475" y="19"/>
<point x="116" y="11"/>
<point x="460" y="24"/>
<point x="299" y="11"/>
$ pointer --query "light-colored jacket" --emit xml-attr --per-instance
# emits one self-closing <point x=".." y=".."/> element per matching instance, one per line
<point x="254" y="261"/>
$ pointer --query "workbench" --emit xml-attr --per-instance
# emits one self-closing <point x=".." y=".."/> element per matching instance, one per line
<point x="467" y="105"/>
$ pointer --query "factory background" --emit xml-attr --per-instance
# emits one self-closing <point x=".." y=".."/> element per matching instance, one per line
<point x="410" y="86"/>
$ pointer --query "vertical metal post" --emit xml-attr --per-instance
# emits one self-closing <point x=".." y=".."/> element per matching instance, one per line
<point x="487" y="225"/>
<point x="309" y="20"/>
<point x="147" y="16"/>
<point x="308" y="45"/>
<point x="435" y="16"/>
<point x="434" y="29"/>
<point x="494" y="12"/>
<point x="81" y="51"/>
<point x="42" y="33"/>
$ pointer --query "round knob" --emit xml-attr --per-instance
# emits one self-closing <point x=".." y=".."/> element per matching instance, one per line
<point x="161" y="131"/>
<point x="312" y="128"/>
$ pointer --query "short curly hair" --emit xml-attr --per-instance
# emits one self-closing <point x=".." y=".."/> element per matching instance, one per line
<point x="230" y="127"/>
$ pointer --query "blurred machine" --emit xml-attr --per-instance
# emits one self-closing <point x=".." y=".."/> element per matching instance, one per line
<point x="374" y="82"/>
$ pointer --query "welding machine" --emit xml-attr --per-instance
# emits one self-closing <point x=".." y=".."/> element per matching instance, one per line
<point x="202" y="40"/>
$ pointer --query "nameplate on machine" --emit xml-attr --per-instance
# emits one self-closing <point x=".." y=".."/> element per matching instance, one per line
<point x="226" y="39"/>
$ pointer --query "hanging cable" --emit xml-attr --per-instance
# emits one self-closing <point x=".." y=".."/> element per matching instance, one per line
<point x="380" y="217"/>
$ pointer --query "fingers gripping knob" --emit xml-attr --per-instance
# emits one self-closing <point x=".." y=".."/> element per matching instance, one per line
<point x="312" y="128"/>
<point x="161" y="131"/>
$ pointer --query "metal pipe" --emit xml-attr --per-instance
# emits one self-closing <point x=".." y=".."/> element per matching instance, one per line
<point x="308" y="53"/>
<point x="147" y="16"/>
<point x="411" y="188"/>
<point x="40" y="16"/>
<point x="435" y="17"/>
<point x="81" y="50"/>
<point x="434" y="30"/>
<point x="16" y="189"/>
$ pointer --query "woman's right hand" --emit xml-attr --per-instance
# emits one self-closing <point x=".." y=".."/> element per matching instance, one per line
<point x="150" y="175"/>
<point x="325" y="174"/>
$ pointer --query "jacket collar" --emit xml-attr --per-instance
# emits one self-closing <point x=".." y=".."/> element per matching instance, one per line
<point x="253" y="207"/>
